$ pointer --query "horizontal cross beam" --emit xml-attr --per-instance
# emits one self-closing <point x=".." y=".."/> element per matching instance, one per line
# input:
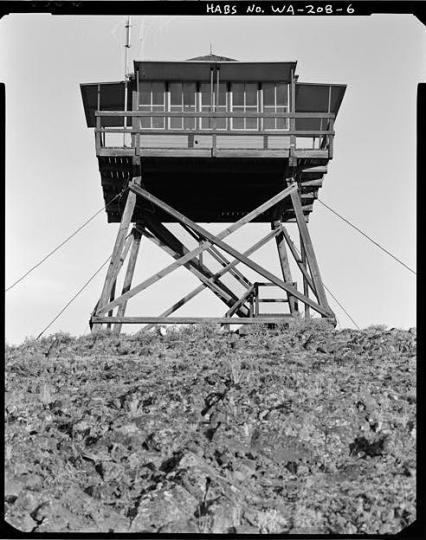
<point x="190" y="320"/>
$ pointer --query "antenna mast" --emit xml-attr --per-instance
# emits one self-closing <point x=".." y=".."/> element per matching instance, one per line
<point x="127" y="46"/>
<point x="126" y="72"/>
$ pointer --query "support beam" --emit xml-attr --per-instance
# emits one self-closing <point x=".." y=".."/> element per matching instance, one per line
<point x="310" y="254"/>
<point x="305" y="282"/>
<point x="285" y="266"/>
<point x="176" y="250"/>
<point x="193" y="320"/>
<point x="195" y="266"/>
<point x="217" y="240"/>
<point x="194" y="253"/>
<point x="221" y="259"/>
<point x="114" y="264"/>
<point x="127" y="244"/>
<point x="136" y="237"/>
<point x="225" y="269"/>
<point x="111" y="298"/>
<point x="300" y="264"/>
<point x="239" y="302"/>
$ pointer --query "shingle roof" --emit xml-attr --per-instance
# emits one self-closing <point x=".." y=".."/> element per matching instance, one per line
<point x="211" y="58"/>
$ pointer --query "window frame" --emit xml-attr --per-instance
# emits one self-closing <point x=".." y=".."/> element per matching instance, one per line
<point x="212" y="106"/>
<point x="194" y="107"/>
<point x="275" y="107"/>
<point x="243" y="107"/>
<point x="152" y="105"/>
<point x="197" y="106"/>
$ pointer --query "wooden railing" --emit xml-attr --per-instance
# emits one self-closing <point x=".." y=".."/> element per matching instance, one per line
<point x="324" y="137"/>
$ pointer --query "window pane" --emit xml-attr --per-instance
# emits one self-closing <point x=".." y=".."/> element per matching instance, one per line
<point x="205" y="90"/>
<point x="282" y="94"/>
<point x="176" y="123"/>
<point x="237" y="94"/>
<point x="238" y="123"/>
<point x="158" y="90"/>
<point x="281" y="123"/>
<point x="268" y="123"/>
<point x="222" y="94"/>
<point x="251" y="123"/>
<point x="189" y="94"/>
<point x="175" y="93"/>
<point x="268" y="94"/>
<point x="189" y="123"/>
<point x="145" y="94"/>
<point x="158" y="122"/>
<point x="251" y="94"/>
<point x="145" y="120"/>
<point x="221" y="122"/>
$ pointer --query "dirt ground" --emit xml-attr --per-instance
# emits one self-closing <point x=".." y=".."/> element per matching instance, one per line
<point x="301" y="429"/>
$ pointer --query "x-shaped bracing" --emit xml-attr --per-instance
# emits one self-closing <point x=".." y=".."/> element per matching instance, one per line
<point x="158" y="233"/>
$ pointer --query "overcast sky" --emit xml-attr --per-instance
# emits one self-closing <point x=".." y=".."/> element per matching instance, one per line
<point x="53" y="183"/>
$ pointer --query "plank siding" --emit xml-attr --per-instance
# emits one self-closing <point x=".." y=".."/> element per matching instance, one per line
<point x="205" y="141"/>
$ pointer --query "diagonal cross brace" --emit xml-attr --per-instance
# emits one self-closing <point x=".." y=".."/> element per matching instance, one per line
<point x="229" y="249"/>
<point x="225" y="269"/>
<point x="200" y="271"/>
<point x="221" y="259"/>
<point x="195" y="252"/>
<point x="194" y="265"/>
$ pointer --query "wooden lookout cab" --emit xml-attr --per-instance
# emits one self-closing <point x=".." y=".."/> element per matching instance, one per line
<point x="213" y="139"/>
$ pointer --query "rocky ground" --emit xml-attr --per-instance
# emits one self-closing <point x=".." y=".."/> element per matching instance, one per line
<point x="304" y="429"/>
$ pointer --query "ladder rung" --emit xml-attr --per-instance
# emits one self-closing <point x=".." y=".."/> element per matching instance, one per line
<point x="277" y="315"/>
<point x="273" y="300"/>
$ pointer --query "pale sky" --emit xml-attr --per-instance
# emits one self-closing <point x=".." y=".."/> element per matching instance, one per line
<point x="53" y="183"/>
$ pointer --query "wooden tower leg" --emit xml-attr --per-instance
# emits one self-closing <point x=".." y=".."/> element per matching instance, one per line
<point x="114" y="265"/>
<point x="306" y="242"/>
<point x="129" y="275"/>
<point x="305" y="282"/>
<point x="285" y="267"/>
<point x="111" y="298"/>
<point x="208" y="239"/>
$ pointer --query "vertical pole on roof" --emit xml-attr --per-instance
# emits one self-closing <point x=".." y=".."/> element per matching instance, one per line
<point x="126" y="75"/>
<point x="127" y="45"/>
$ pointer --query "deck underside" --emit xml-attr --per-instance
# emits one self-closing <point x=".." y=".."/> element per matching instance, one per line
<point x="210" y="189"/>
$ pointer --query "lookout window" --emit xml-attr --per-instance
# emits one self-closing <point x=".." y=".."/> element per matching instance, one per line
<point x="182" y="99"/>
<point x="244" y="98"/>
<point x="152" y="97"/>
<point x="213" y="98"/>
<point x="275" y="100"/>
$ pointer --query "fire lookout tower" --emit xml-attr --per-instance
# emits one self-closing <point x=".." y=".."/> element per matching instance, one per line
<point x="212" y="139"/>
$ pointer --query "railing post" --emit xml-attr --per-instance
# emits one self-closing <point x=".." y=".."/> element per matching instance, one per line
<point x="331" y="139"/>
<point x="136" y="121"/>
<point x="292" y="111"/>
<point x="98" y="139"/>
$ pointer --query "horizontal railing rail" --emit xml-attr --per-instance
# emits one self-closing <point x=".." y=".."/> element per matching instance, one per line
<point x="207" y="131"/>
<point x="217" y="114"/>
<point x="324" y="136"/>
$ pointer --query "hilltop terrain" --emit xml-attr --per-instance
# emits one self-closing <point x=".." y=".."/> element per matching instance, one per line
<point x="301" y="429"/>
